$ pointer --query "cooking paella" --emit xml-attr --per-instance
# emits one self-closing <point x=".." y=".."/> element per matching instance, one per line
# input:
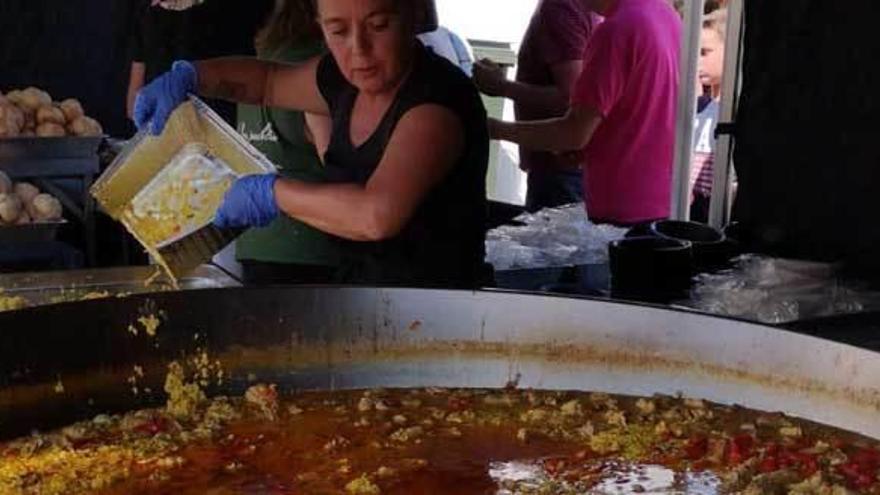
<point x="435" y="440"/>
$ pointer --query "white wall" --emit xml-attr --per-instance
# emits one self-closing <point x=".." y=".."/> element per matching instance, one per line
<point x="492" y="20"/>
<point x="502" y="21"/>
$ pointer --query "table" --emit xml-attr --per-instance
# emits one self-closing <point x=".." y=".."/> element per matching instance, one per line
<point x="46" y="160"/>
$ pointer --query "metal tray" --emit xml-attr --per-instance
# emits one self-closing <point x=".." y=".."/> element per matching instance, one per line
<point x="145" y="161"/>
<point x="49" y="157"/>
<point x="353" y="338"/>
<point x="31" y="232"/>
<point x="44" y="288"/>
<point x="31" y="148"/>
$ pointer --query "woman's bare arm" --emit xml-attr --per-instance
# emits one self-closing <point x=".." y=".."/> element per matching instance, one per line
<point x="423" y="149"/>
<point x="257" y="82"/>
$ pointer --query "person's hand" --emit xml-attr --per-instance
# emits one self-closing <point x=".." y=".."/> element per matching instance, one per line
<point x="156" y="101"/>
<point x="495" y="128"/>
<point x="489" y="77"/>
<point x="250" y="202"/>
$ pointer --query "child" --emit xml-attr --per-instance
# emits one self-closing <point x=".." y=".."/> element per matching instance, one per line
<point x="711" y="69"/>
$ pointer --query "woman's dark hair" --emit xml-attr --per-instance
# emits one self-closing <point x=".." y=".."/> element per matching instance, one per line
<point x="422" y="13"/>
<point x="295" y="22"/>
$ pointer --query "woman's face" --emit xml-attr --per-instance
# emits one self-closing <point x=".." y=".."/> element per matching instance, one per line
<point x="711" y="66"/>
<point x="370" y="40"/>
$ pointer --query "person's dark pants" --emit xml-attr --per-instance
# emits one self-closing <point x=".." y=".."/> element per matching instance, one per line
<point x="552" y="188"/>
<point x="261" y="273"/>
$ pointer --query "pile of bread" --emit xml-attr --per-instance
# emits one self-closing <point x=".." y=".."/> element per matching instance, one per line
<point x="22" y="203"/>
<point x="31" y="112"/>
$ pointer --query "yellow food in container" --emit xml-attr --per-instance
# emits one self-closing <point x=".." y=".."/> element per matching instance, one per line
<point x="166" y="189"/>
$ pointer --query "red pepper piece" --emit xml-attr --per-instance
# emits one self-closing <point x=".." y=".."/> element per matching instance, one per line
<point x="153" y="426"/>
<point x="768" y="465"/>
<point x="787" y="458"/>
<point x="458" y="403"/>
<point x="696" y="448"/>
<point x="809" y="464"/>
<point x="867" y="459"/>
<point x="850" y="471"/>
<point x="740" y="449"/>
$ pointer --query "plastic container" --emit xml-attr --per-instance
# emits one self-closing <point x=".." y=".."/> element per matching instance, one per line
<point x="710" y="246"/>
<point x="182" y="197"/>
<point x="650" y="269"/>
<point x="640" y="230"/>
<point x="166" y="189"/>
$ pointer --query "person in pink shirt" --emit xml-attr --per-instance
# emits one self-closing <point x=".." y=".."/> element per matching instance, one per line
<point x="622" y="113"/>
<point x="550" y="60"/>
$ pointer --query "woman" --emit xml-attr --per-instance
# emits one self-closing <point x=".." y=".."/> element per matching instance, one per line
<point x="407" y="155"/>
<point x="287" y="251"/>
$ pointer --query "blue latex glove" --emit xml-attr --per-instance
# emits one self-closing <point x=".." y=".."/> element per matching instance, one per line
<point x="156" y="101"/>
<point x="250" y="202"/>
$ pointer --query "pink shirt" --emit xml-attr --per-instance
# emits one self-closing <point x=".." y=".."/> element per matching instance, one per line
<point x="631" y="77"/>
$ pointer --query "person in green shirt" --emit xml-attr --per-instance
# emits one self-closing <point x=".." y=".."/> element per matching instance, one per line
<point x="288" y="251"/>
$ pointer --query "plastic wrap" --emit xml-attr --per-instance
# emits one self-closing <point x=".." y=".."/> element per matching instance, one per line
<point x="777" y="291"/>
<point x="554" y="237"/>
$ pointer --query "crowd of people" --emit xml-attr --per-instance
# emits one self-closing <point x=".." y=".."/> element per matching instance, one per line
<point x="373" y="115"/>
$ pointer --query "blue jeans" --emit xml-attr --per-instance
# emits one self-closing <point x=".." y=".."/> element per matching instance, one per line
<point x="553" y="187"/>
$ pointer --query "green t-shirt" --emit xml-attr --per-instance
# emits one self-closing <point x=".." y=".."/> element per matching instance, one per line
<point x="280" y="135"/>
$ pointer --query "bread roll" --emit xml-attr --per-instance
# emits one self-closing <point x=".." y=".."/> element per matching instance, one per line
<point x="14" y="116"/>
<point x="45" y="207"/>
<point x="50" y="130"/>
<point x="72" y="109"/>
<point x="12" y="120"/>
<point x="7" y="132"/>
<point x="85" y="126"/>
<point x="24" y="218"/>
<point x="30" y="121"/>
<point x="26" y="192"/>
<point x="14" y="96"/>
<point x="5" y="183"/>
<point x="50" y="114"/>
<point x="33" y="98"/>
<point x="10" y="208"/>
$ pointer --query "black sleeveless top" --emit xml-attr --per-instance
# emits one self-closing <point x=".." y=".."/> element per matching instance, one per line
<point x="443" y="244"/>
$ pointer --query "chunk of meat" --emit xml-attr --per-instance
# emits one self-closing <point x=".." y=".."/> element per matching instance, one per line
<point x="265" y="398"/>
